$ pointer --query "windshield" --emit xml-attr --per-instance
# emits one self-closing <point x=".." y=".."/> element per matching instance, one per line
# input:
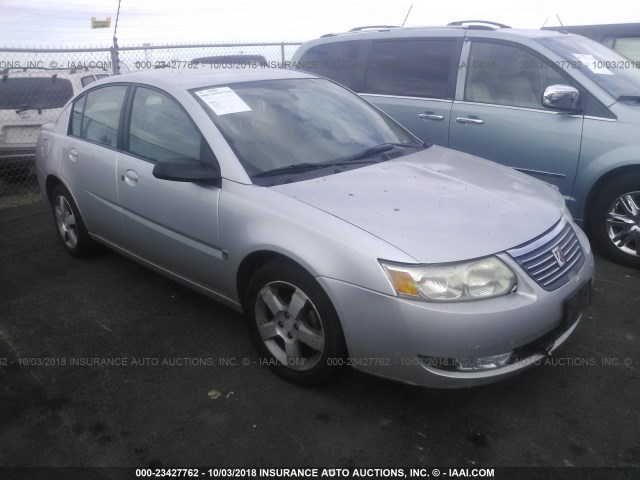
<point x="278" y="125"/>
<point x="34" y="93"/>
<point x="614" y="73"/>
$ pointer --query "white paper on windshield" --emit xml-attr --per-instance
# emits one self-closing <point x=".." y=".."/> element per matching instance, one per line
<point x="223" y="101"/>
<point x="592" y="64"/>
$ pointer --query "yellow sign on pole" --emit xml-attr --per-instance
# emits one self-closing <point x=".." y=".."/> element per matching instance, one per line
<point x="95" y="23"/>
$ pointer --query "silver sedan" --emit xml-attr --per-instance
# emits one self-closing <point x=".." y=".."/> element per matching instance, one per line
<point x="344" y="239"/>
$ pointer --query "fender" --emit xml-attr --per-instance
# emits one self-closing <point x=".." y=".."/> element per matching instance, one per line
<point x="322" y="247"/>
<point x="597" y="171"/>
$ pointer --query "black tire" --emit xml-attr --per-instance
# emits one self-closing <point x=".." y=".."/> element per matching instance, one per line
<point x="607" y="200"/>
<point x="69" y="224"/>
<point x="284" y="344"/>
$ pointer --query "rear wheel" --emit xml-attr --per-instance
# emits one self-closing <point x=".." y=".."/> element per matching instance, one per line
<point x="69" y="224"/>
<point x="294" y="325"/>
<point x="615" y="220"/>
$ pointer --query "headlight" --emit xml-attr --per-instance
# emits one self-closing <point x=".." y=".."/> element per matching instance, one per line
<point x="484" y="278"/>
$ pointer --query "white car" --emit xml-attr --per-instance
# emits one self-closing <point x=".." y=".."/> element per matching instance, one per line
<point x="30" y="98"/>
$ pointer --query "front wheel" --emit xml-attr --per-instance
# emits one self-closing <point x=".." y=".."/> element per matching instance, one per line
<point x="294" y="325"/>
<point x="614" y="221"/>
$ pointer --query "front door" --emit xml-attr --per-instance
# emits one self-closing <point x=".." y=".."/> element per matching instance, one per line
<point x="498" y="114"/>
<point x="172" y="224"/>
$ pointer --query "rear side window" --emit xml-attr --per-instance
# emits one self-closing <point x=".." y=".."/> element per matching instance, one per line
<point x="101" y="115"/>
<point x="34" y="92"/>
<point x="412" y="68"/>
<point x="337" y="61"/>
<point x="160" y="129"/>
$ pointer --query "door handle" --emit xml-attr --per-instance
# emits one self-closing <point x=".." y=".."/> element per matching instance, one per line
<point x="474" y="121"/>
<point x="130" y="177"/>
<point x="430" y="116"/>
<point x="73" y="154"/>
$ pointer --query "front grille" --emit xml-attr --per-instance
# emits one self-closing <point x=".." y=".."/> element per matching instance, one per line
<point x="538" y="259"/>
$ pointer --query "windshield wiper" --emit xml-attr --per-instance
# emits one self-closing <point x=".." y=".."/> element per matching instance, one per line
<point x="295" y="168"/>
<point x="371" y="151"/>
<point x="307" y="167"/>
<point x="23" y="108"/>
<point x="629" y="98"/>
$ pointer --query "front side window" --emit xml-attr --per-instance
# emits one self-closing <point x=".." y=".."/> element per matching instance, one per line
<point x="160" y="129"/>
<point x="505" y="75"/>
<point x="412" y="68"/>
<point x="102" y="115"/>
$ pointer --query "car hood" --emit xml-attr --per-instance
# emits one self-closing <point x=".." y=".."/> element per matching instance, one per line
<point x="437" y="205"/>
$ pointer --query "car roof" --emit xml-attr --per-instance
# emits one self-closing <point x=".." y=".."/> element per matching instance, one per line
<point x="608" y="27"/>
<point x="204" y="76"/>
<point x="50" y="72"/>
<point x="453" y="30"/>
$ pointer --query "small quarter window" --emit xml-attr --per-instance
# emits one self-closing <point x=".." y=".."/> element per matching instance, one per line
<point x="76" y="116"/>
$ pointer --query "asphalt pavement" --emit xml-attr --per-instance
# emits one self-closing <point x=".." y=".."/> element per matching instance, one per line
<point x="104" y="363"/>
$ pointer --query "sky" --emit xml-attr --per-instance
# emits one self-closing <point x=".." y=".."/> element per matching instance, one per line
<point x="58" y="23"/>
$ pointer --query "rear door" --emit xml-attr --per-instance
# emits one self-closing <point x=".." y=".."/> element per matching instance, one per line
<point x="498" y="115"/>
<point x="89" y="159"/>
<point x="413" y="80"/>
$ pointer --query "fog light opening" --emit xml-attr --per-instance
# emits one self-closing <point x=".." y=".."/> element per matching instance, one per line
<point x="474" y="364"/>
<point x="468" y="364"/>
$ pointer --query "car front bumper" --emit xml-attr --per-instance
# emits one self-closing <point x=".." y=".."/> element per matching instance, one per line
<point x="416" y="342"/>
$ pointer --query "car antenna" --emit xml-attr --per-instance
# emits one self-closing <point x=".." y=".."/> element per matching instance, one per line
<point x="558" y="17"/>
<point x="545" y="22"/>
<point x="405" y="18"/>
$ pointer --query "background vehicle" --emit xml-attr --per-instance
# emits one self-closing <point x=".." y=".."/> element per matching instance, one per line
<point x="221" y="61"/>
<point x="557" y="106"/>
<point x="30" y="98"/>
<point x="624" y="38"/>
<point x="343" y="238"/>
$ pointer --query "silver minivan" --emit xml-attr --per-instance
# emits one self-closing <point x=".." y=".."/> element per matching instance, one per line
<point x="557" y="106"/>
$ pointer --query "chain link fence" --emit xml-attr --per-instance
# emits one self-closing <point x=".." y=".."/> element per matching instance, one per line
<point x="36" y="84"/>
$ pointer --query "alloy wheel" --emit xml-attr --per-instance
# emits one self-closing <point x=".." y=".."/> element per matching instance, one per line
<point x="66" y="222"/>
<point x="623" y="223"/>
<point x="289" y="325"/>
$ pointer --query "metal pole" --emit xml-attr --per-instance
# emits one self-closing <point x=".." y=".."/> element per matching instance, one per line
<point x="114" y="52"/>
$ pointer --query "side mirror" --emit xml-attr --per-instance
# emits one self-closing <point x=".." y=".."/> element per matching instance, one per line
<point x="185" y="170"/>
<point x="561" y="97"/>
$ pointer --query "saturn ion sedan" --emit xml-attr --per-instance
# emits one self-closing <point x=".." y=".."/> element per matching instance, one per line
<point x="344" y="239"/>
